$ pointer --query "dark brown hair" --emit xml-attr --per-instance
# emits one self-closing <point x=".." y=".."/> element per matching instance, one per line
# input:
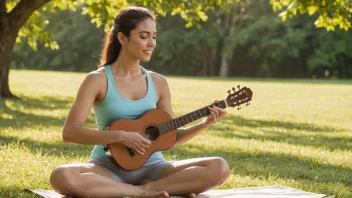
<point x="125" y="21"/>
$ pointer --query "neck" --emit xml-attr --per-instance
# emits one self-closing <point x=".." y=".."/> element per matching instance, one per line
<point x="125" y="65"/>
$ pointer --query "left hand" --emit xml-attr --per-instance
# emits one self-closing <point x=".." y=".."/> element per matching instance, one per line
<point x="216" y="115"/>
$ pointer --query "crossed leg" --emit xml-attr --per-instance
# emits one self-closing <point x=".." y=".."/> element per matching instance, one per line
<point x="191" y="176"/>
<point x="186" y="177"/>
<point x="89" y="180"/>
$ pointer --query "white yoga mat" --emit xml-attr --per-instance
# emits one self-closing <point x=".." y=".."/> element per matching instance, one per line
<point x="250" y="192"/>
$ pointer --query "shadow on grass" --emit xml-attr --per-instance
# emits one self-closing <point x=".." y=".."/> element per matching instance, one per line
<point x="58" y="149"/>
<point x="20" y="119"/>
<point x="270" y="128"/>
<point x="267" y="165"/>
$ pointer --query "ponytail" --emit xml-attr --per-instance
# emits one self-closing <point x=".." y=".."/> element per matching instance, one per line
<point x="111" y="49"/>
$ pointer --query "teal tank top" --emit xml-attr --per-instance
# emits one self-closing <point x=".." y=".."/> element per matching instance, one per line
<point x="115" y="107"/>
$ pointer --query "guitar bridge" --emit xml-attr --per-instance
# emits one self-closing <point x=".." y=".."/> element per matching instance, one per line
<point x="130" y="151"/>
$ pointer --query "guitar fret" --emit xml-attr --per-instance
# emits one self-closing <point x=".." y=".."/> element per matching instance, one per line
<point x="187" y="118"/>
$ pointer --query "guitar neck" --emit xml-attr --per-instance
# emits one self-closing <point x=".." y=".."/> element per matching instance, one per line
<point x="188" y="118"/>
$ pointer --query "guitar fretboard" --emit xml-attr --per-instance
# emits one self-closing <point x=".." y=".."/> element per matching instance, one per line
<point x="188" y="118"/>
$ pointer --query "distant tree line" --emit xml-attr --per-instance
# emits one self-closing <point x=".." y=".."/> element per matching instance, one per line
<point x="248" y="40"/>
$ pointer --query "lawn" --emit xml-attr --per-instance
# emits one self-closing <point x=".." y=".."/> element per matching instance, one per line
<point x="295" y="133"/>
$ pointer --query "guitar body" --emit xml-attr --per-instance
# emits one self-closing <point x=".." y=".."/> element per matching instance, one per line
<point x="146" y="126"/>
<point x="157" y="126"/>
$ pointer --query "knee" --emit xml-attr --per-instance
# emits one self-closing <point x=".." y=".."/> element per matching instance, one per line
<point x="62" y="180"/>
<point x="220" y="170"/>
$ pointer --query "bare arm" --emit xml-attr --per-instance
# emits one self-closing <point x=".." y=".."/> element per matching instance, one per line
<point x="73" y="131"/>
<point x="184" y="134"/>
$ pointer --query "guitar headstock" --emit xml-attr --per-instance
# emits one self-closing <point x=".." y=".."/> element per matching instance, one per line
<point x="241" y="96"/>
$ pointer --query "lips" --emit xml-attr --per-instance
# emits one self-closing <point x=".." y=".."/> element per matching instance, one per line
<point x="148" y="51"/>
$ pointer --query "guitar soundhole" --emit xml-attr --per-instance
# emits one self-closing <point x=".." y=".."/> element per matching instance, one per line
<point x="152" y="133"/>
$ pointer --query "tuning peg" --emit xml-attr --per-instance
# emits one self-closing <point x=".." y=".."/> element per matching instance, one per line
<point x="233" y="89"/>
<point x="239" y="107"/>
<point x="238" y="86"/>
<point x="229" y="91"/>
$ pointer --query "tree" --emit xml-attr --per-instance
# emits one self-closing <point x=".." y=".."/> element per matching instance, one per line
<point x="332" y="53"/>
<point x="22" y="19"/>
<point x="19" y="19"/>
<point x="77" y="38"/>
<point x="331" y="13"/>
<point x="10" y="24"/>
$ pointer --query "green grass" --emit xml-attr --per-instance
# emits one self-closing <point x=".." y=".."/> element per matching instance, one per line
<point x="295" y="133"/>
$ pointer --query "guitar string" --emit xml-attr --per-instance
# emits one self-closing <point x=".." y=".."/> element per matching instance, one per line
<point x="166" y="126"/>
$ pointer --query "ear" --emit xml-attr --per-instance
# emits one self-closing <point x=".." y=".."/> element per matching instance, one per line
<point x="122" y="38"/>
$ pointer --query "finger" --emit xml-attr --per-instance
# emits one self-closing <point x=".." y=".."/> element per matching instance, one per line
<point x="215" y="102"/>
<point x="218" y="108"/>
<point x="139" y="150"/>
<point x="146" y="142"/>
<point x="217" y="115"/>
<point x="211" y="110"/>
<point x="144" y="146"/>
<point x="213" y="115"/>
<point x="222" y="112"/>
<point x="216" y="111"/>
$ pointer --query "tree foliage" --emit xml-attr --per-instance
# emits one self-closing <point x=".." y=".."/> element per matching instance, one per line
<point x="331" y="13"/>
<point x="261" y="45"/>
<point x="26" y="20"/>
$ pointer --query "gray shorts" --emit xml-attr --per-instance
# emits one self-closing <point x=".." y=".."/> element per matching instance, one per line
<point x="148" y="172"/>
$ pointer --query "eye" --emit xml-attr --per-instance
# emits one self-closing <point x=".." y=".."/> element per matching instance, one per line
<point x="143" y="37"/>
<point x="154" y="38"/>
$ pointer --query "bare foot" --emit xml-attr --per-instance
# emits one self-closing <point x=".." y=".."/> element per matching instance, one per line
<point x="151" y="194"/>
<point x="154" y="194"/>
<point x="190" y="195"/>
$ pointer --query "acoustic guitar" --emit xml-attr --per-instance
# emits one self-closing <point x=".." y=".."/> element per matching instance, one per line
<point x="158" y="126"/>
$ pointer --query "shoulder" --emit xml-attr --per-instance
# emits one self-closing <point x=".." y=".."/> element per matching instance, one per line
<point x="93" y="85"/>
<point x="158" y="78"/>
<point x="95" y="77"/>
<point x="94" y="80"/>
<point x="160" y="83"/>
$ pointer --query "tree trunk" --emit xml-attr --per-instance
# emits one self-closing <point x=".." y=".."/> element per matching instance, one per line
<point x="224" y="67"/>
<point x="10" y="24"/>
<point x="230" y="22"/>
<point x="224" y="64"/>
<point x="205" y="60"/>
<point x="6" y="45"/>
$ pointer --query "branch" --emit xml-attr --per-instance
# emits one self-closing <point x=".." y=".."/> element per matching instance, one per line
<point x="22" y="11"/>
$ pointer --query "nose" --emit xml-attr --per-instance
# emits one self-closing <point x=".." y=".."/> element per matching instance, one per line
<point x="151" y="42"/>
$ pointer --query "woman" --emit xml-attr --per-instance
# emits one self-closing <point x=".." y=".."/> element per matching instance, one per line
<point x="121" y="88"/>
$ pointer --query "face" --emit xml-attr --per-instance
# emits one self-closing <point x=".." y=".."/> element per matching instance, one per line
<point x="142" y="40"/>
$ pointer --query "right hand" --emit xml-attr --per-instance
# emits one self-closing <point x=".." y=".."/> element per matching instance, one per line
<point x="136" y="142"/>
